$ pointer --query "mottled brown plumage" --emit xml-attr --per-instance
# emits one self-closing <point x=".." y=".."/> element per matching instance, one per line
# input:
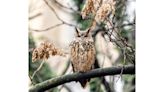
<point x="82" y="53"/>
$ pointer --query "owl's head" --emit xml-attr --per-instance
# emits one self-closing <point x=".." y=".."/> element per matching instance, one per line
<point x="83" y="35"/>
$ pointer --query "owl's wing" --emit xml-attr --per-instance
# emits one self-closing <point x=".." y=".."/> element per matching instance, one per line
<point x="73" y="67"/>
<point x="93" y="67"/>
<point x="71" y="50"/>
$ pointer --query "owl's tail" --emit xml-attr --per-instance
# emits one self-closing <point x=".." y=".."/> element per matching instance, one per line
<point x="84" y="82"/>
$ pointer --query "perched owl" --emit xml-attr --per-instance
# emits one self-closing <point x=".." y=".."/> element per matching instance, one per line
<point x="82" y="53"/>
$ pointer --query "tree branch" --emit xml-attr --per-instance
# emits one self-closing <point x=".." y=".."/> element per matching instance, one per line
<point x="34" y="16"/>
<point x="103" y="80"/>
<point x="54" y="11"/>
<point x="46" y="29"/>
<point x="54" y="26"/>
<point x="66" y="7"/>
<point x="54" y="82"/>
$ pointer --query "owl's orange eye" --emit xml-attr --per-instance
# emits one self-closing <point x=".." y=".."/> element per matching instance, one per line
<point x="86" y="35"/>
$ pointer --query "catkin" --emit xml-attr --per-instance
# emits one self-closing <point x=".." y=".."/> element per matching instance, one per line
<point x="45" y="50"/>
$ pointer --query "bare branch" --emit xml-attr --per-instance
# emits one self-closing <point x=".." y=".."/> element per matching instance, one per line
<point x="54" y="11"/>
<point x="66" y="68"/>
<point x="54" y="26"/>
<point x="103" y="29"/>
<point x="120" y="37"/>
<point x="38" y="69"/>
<point x="46" y="29"/>
<point x="65" y="7"/>
<point x="34" y="16"/>
<point x="103" y="80"/>
<point x="106" y="85"/>
<point x="54" y="82"/>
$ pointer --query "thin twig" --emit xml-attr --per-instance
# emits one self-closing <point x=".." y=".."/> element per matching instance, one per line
<point x="46" y="29"/>
<point x="54" y="26"/>
<point x="31" y="80"/>
<point x="66" y="68"/>
<point x="69" y="8"/>
<point x="54" y="11"/>
<point x="67" y="88"/>
<point x="64" y="86"/>
<point x="121" y="38"/>
<point x="61" y="88"/>
<point x="38" y="69"/>
<point x="124" y="56"/>
<point x="34" y="16"/>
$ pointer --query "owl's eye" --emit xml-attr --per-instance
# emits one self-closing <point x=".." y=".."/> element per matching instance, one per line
<point x="78" y="35"/>
<point x="86" y="35"/>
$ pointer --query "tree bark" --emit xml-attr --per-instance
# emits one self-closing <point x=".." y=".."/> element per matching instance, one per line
<point x="54" y="82"/>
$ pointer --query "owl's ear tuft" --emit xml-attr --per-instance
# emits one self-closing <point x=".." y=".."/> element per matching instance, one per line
<point x="77" y="32"/>
<point x="88" y="31"/>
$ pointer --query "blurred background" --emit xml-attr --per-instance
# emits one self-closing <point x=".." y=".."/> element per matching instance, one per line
<point x="42" y="26"/>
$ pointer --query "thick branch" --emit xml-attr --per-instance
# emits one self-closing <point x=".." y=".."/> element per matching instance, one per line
<point x="54" y="82"/>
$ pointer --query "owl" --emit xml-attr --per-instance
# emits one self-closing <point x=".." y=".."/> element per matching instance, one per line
<point x="82" y="53"/>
